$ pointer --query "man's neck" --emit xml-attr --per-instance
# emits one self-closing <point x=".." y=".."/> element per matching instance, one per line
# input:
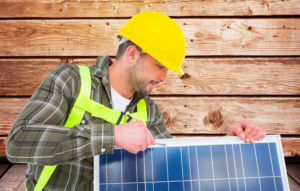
<point x="117" y="79"/>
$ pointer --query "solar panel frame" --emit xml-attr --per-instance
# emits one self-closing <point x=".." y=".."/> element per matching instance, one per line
<point x="212" y="142"/>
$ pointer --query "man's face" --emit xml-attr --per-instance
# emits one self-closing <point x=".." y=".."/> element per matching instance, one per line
<point x="145" y="74"/>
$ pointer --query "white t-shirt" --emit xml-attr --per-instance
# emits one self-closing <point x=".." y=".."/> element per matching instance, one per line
<point x="119" y="103"/>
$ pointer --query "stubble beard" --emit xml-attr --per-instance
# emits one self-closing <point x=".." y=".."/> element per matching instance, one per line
<point x="135" y="80"/>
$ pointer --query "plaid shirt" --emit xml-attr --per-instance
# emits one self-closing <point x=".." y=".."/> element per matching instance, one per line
<point x="39" y="138"/>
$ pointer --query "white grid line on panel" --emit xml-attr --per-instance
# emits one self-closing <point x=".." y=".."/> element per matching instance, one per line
<point x="272" y="165"/>
<point x="257" y="166"/>
<point x="212" y="164"/>
<point x="227" y="168"/>
<point x="243" y="167"/>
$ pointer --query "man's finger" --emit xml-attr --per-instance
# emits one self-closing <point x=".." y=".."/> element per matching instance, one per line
<point x="148" y="139"/>
<point x="151" y="138"/>
<point x="238" y="131"/>
<point x="254" y="134"/>
<point x="248" y="127"/>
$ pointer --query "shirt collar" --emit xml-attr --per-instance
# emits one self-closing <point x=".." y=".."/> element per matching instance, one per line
<point x="101" y="71"/>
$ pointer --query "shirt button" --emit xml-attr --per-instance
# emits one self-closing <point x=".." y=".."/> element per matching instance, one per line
<point x="83" y="121"/>
<point x="103" y="150"/>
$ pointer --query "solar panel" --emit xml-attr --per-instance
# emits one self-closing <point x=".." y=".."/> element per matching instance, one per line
<point x="201" y="164"/>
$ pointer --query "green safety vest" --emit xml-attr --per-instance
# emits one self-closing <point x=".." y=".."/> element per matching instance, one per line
<point x="84" y="104"/>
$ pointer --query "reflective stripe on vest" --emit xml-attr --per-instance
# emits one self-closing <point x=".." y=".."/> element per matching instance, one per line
<point x="84" y="104"/>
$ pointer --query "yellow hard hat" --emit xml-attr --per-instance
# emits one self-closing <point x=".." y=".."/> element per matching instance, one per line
<point x="159" y="36"/>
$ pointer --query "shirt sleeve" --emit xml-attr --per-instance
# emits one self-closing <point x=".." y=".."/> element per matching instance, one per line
<point x="38" y="135"/>
<point x="155" y="122"/>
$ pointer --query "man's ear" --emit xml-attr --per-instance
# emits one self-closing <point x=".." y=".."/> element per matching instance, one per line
<point x="132" y="54"/>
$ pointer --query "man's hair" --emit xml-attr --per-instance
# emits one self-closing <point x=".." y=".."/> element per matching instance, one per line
<point x="123" y="47"/>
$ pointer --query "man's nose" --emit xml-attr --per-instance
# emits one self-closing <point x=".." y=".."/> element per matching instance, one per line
<point x="163" y="75"/>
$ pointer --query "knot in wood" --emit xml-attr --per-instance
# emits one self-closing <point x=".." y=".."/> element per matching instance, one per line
<point x="185" y="76"/>
<point x="214" y="116"/>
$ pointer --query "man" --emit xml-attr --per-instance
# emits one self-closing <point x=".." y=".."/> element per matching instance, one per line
<point x="38" y="137"/>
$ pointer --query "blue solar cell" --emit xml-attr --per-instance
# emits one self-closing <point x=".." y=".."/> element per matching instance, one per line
<point x="141" y="166"/>
<point x="267" y="184"/>
<point x="102" y="187"/>
<point x="222" y="185"/>
<point x="233" y="185"/>
<point x="141" y="187"/>
<point x="204" y="162"/>
<point x="193" y="163"/>
<point x="230" y="161"/>
<point x="195" y="185"/>
<point x="207" y="185"/>
<point x="275" y="161"/>
<point x="186" y="163"/>
<point x="249" y="160"/>
<point x="149" y="186"/>
<point x="129" y="187"/>
<point x="174" y="163"/>
<point x="114" y="187"/>
<point x="279" y="185"/>
<point x="252" y="184"/>
<point x="238" y="161"/>
<point x="102" y="169"/>
<point x="160" y="166"/>
<point x="161" y="186"/>
<point x="219" y="161"/>
<point x="114" y="166"/>
<point x="128" y="166"/>
<point x="176" y="186"/>
<point x="148" y="164"/>
<point x="263" y="159"/>
<point x="187" y="185"/>
<point x="241" y="184"/>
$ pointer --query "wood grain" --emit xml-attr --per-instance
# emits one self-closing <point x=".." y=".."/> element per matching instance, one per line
<point x="202" y="115"/>
<point x="100" y="37"/>
<point x="2" y="149"/>
<point x="178" y="8"/>
<point x="23" y="76"/>
<point x="229" y="76"/>
<point x="13" y="180"/>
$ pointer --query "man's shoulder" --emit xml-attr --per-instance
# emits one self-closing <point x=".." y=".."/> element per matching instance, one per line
<point x="64" y="71"/>
<point x="150" y="103"/>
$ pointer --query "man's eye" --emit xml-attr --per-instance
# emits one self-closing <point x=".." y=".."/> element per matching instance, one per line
<point x="161" y="67"/>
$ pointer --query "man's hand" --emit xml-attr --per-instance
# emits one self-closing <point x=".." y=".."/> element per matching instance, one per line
<point x="247" y="131"/>
<point x="133" y="137"/>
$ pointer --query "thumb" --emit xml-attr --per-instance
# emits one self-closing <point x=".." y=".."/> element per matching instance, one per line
<point x="151" y="138"/>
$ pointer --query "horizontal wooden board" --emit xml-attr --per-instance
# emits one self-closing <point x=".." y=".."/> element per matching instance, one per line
<point x="203" y="76"/>
<point x="2" y="147"/>
<point x="291" y="146"/>
<point x="13" y="180"/>
<point x="203" y="115"/>
<point x="23" y="76"/>
<point x="100" y="37"/>
<point x="213" y="115"/>
<point x="110" y="8"/>
<point x="229" y="76"/>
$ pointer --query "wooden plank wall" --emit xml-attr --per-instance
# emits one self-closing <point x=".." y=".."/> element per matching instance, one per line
<point x="242" y="59"/>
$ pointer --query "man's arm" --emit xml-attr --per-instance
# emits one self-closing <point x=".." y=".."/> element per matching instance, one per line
<point x="156" y="122"/>
<point x="38" y="135"/>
